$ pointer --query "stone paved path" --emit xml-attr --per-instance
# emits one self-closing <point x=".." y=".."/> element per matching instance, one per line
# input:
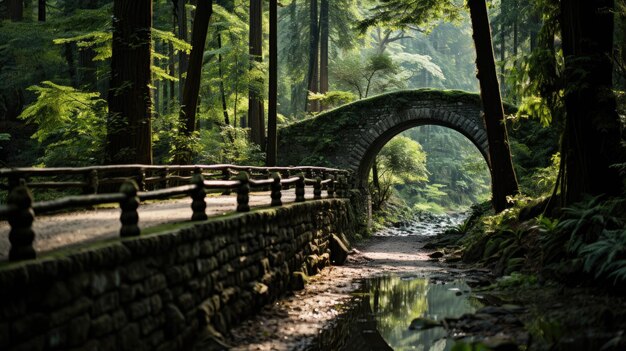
<point x="62" y="230"/>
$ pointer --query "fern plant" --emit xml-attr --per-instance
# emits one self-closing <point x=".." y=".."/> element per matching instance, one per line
<point x="606" y="258"/>
<point x="592" y="230"/>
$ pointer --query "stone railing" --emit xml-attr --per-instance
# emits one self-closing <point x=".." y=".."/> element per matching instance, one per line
<point x="135" y="181"/>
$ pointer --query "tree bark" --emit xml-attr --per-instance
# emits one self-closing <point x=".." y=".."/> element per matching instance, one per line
<point x="16" y="10"/>
<point x="41" y="11"/>
<point x="271" y="151"/>
<point x="591" y="140"/>
<point x="129" y="133"/>
<point x="172" y="84"/>
<point x="183" y="62"/>
<point x="504" y="182"/>
<point x="324" y="38"/>
<point x="314" y="39"/>
<point x="191" y="91"/>
<point x="221" y="73"/>
<point x="256" y="120"/>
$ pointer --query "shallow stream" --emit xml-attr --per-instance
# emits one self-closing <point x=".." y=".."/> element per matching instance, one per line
<point x="403" y="312"/>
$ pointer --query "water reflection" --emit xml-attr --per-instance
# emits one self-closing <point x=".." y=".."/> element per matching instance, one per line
<point x="396" y="301"/>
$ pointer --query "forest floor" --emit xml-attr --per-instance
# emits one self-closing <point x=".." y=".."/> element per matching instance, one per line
<point x="79" y="227"/>
<point x="514" y="313"/>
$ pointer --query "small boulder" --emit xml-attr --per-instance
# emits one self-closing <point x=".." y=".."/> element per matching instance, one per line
<point x="424" y="323"/>
<point x="436" y="254"/>
<point x="338" y="251"/>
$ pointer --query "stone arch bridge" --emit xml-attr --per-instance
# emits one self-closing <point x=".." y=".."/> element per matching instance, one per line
<point x="351" y="136"/>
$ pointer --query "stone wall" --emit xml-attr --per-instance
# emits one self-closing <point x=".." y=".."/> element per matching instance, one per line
<point x="156" y="292"/>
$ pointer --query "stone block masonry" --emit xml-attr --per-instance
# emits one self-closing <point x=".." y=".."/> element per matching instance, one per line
<point x="157" y="292"/>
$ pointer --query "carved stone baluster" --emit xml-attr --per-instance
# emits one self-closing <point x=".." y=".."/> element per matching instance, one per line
<point x="300" y="184"/>
<point x="330" y="188"/>
<point x="129" y="216"/>
<point x="198" y="195"/>
<point x="243" y="192"/>
<point x="21" y="220"/>
<point x="317" y="188"/>
<point x="276" y="190"/>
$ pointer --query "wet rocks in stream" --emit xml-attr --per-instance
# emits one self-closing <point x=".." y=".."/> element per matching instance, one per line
<point x="497" y="327"/>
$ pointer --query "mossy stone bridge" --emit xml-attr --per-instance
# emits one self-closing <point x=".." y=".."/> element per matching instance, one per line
<point x="350" y="137"/>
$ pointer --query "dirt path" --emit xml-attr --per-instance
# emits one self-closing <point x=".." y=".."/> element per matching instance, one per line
<point x="66" y="229"/>
<point x="293" y="322"/>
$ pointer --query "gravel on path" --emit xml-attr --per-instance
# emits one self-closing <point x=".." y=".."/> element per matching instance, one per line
<point x="79" y="227"/>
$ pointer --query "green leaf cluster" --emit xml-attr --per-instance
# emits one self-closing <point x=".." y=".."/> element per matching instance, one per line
<point x="71" y="124"/>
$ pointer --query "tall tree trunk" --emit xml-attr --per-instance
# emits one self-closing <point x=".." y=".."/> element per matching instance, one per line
<point x="169" y="103"/>
<point x="183" y="62"/>
<point x="324" y="38"/>
<point x="271" y="150"/>
<point x="16" y="10"/>
<point x="68" y="53"/>
<point x="591" y="140"/>
<point x="87" y="77"/>
<point x="204" y="10"/>
<point x="314" y="40"/>
<point x="221" y="73"/>
<point x="256" y="120"/>
<point x="41" y="11"/>
<point x="504" y="182"/>
<point x="502" y="47"/>
<point x="129" y="133"/>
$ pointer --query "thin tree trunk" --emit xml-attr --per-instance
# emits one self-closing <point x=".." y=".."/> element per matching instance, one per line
<point x="255" y="101"/>
<point x="502" y="47"/>
<point x="169" y="103"/>
<point x="68" y="53"/>
<point x="16" y="10"/>
<point x="375" y="179"/>
<point x="183" y="62"/>
<point x="191" y="91"/>
<point x="41" y="11"/>
<point x="87" y="71"/>
<point x="504" y="182"/>
<point x="591" y="140"/>
<point x="314" y="39"/>
<point x="221" y="73"/>
<point x="129" y="132"/>
<point x="271" y="150"/>
<point x="324" y="38"/>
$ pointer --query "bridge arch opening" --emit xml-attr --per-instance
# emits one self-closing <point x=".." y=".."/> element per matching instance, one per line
<point x="456" y="171"/>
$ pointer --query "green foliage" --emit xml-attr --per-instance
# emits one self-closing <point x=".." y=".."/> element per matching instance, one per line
<point x="408" y="13"/>
<point x="57" y="106"/>
<point x="4" y="137"/>
<point x="71" y="124"/>
<point x="400" y="162"/>
<point x="593" y="231"/>
<point x="405" y="159"/>
<point x="363" y="75"/>
<point x="234" y="148"/>
<point x="334" y="98"/>
<point x="606" y="258"/>
<point x="542" y="181"/>
<point x="458" y="172"/>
